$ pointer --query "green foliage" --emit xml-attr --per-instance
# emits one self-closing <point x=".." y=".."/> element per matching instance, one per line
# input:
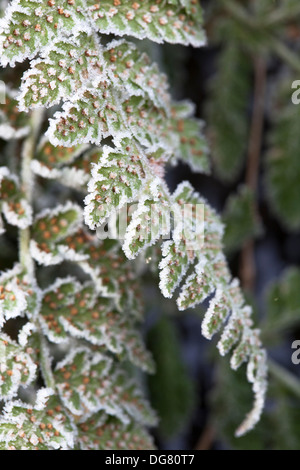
<point x="283" y="300"/>
<point x="14" y="206"/>
<point x="105" y="433"/>
<point x="17" y="367"/>
<point x="279" y="425"/>
<point x="228" y="111"/>
<point x="282" y="165"/>
<point x="175" y="405"/>
<point x="240" y="219"/>
<point x="43" y="426"/>
<point x="114" y="131"/>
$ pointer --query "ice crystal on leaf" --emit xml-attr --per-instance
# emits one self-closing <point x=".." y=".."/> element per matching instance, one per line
<point x="81" y="391"/>
<point x="43" y="426"/>
<point x="111" y="433"/>
<point x="13" y="204"/>
<point x="17" y="367"/>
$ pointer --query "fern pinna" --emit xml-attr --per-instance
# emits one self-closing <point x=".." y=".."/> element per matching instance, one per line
<point x="106" y="90"/>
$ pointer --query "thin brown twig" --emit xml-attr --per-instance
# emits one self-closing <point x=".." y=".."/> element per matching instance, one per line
<point x="247" y="267"/>
<point x="206" y="439"/>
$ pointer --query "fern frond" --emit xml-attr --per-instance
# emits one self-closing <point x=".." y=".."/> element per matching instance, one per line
<point x="49" y="228"/>
<point x="81" y="391"/>
<point x="282" y="165"/>
<point x="17" y="367"/>
<point x="13" y="203"/>
<point x="43" y="426"/>
<point x="101" y="432"/>
<point x="73" y="310"/>
<point x="13" y="124"/>
<point x="170" y="21"/>
<point x="18" y="294"/>
<point x="113" y="92"/>
<point x="227" y="112"/>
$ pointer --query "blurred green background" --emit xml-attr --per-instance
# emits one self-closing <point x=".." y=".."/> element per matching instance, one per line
<point x="241" y="83"/>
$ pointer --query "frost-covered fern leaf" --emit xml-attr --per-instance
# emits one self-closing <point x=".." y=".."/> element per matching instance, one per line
<point x="58" y="163"/>
<point x="51" y="227"/>
<point x="149" y="221"/>
<point x="117" y="114"/>
<point x="44" y="426"/>
<point x="13" y="204"/>
<point x="60" y="71"/>
<point x="102" y="432"/>
<point x="127" y="68"/>
<point x="192" y="147"/>
<point x="228" y="304"/>
<point x="196" y="243"/>
<point x="116" y="180"/>
<point x="13" y="124"/>
<point x="169" y="21"/>
<point x="17" y="367"/>
<point x="29" y="26"/>
<point x="106" y="91"/>
<point x="53" y="157"/>
<point x="73" y="310"/>
<point x="12" y="299"/>
<point x="88" y="383"/>
<point x="18" y="294"/>
<point x="69" y="65"/>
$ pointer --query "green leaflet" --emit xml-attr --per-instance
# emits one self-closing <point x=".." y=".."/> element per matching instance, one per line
<point x="282" y="296"/>
<point x="227" y="113"/>
<point x="49" y="229"/>
<point x="192" y="147"/>
<point x="167" y="21"/>
<point x="44" y="426"/>
<point x="116" y="180"/>
<point x="81" y="391"/>
<point x="283" y="167"/>
<point x="55" y="157"/>
<point x="17" y="367"/>
<point x="107" y="433"/>
<point x="240" y="219"/>
<point x="73" y="310"/>
<point x="29" y="26"/>
<point x="12" y="200"/>
<point x="13" y="124"/>
<point x="18" y="294"/>
<point x="175" y="405"/>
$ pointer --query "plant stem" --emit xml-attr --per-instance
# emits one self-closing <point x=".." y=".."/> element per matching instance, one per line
<point x="283" y="15"/>
<point x="46" y="363"/>
<point x="286" y="54"/>
<point x="280" y="16"/>
<point x="239" y="13"/>
<point x="27" y="181"/>
<point x="248" y="269"/>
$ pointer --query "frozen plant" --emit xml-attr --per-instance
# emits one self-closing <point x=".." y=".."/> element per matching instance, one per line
<point x="102" y="89"/>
